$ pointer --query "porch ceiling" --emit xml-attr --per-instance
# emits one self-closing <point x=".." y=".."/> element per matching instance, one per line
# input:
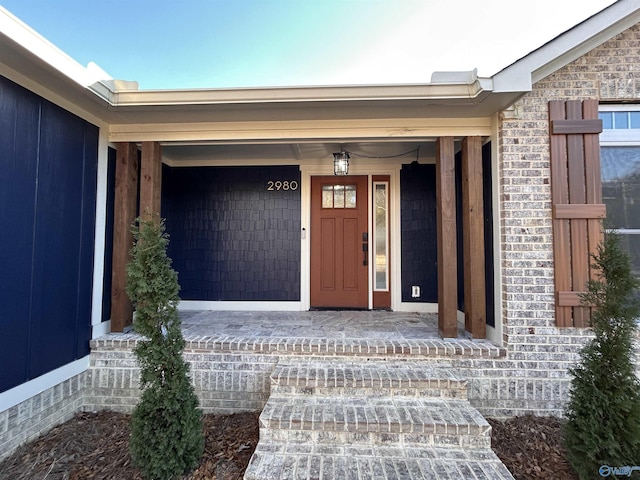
<point x="296" y="153"/>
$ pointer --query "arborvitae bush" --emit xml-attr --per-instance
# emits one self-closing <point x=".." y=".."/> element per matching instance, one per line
<point x="166" y="429"/>
<point x="603" y="413"/>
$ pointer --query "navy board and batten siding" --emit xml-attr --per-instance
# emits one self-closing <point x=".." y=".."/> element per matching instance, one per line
<point x="48" y="175"/>
<point x="234" y="231"/>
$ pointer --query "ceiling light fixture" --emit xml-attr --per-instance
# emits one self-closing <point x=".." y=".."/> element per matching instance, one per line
<point x="341" y="163"/>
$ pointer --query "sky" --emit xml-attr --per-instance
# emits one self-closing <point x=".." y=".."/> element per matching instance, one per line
<point x="266" y="43"/>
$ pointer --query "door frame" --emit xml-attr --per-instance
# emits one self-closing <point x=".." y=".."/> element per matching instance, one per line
<point x="370" y="168"/>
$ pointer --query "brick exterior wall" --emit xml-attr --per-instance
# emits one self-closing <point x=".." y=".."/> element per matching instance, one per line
<point x="225" y="381"/>
<point x="538" y="352"/>
<point x="27" y="420"/>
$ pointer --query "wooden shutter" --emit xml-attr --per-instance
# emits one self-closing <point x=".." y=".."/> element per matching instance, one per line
<point x="576" y="195"/>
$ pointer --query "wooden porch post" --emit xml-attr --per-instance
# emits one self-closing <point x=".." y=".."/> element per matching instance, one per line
<point x="473" y="228"/>
<point x="446" y="231"/>
<point x="124" y="215"/>
<point x="150" y="178"/>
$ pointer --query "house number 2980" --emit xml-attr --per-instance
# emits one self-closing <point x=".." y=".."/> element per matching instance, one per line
<point x="273" y="185"/>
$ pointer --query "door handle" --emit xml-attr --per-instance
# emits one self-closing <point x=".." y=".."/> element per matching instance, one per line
<point x="365" y="252"/>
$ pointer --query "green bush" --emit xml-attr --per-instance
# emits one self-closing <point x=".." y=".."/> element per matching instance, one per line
<point x="603" y="413"/>
<point x="166" y="428"/>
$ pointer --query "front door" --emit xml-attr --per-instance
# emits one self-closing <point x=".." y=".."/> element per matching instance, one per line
<point x="339" y="242"/>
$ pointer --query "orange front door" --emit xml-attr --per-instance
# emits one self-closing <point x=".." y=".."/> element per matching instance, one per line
<point x="339" y="242"/>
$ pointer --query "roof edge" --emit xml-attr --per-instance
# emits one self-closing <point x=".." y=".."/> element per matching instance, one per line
<point x="30" y="40"/>
<point x="471" y="89"/>
<point x="567" y="47"/>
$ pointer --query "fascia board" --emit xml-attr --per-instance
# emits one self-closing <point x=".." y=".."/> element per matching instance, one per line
<point x="567" y="47"/>
<point x="124" y="99"/>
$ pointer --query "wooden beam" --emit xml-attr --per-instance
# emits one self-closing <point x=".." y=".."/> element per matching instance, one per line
<point x="150" y="178"/>
<point x="473" y="228"/>
<point x="124" y="215"/>
<point x="446" y="231"/>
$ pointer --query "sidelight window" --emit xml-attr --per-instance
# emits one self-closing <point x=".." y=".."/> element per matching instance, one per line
<point x="381" y="244"/>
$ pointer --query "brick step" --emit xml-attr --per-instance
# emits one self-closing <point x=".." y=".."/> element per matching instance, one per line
<point x="374" y="421"/>
<point x="286" y="461"/>
<point x="377" y="379"/>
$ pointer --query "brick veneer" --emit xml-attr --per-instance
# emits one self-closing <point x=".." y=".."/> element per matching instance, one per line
<point x="538" y="353"/>
<point x="27" y="420"/>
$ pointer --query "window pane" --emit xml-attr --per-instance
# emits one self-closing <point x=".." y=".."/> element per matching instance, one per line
<point x="621" y="185"/>
<point x="631" y="242"/>
<point x="350" y="196"/>
<point x="621" y="120"/>
<point x="338" y="196"/>
<point x="635" y="119"/>
<point x="381" y="229"/>
<point x="327" y="196"/>
<point x="607" y="120"/>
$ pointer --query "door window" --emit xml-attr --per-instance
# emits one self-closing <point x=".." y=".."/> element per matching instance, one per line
<point x="338" y="196"/>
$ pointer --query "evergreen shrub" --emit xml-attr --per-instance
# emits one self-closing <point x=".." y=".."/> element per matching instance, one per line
<point x="166" y="428"/>
<point x="603" y="413"/>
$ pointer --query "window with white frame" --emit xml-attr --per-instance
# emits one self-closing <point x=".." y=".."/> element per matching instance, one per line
<point x="620" y="168"/>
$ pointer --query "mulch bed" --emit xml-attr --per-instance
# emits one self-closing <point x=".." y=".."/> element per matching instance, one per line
<point x="96" y="446"/>
<point x="531" y="447"/>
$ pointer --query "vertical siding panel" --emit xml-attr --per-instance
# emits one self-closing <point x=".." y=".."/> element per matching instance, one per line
<point x="87" y="239"/>
<point x="57" y="240"/>
<point x="19" y="117"/>
<point x="48" y="170"/>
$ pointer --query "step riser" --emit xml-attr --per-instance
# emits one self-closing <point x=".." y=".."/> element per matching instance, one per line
<point x="371" y="392"/>
<point x="331" y="440"/>
<point x="338" y="419"/>
<point x="395" y="377"/>
<point x="314" y="466"/>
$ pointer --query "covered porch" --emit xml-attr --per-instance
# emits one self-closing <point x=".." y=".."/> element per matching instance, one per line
<point x="299" y="130"/>
<point x="138" y="189"/>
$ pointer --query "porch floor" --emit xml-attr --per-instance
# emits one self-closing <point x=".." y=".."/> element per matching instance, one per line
<point x="329" y="332"/>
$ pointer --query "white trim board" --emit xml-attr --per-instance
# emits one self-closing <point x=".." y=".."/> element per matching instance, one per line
<point x="30" y="389"/>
